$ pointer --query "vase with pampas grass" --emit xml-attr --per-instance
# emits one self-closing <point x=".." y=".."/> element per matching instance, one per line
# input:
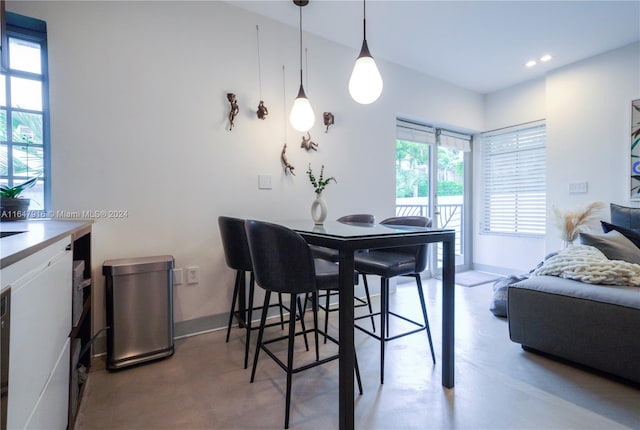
<point x="572" y="221"/>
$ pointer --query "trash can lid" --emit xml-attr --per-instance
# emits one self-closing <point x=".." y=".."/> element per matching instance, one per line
<point x="128" y="266"/>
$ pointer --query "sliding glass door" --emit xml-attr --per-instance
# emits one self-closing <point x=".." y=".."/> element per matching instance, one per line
<point x="430" y="181"/>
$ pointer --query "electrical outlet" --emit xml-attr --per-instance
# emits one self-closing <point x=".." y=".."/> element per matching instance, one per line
<point x="193" y="275"/>
<point x="177" y="276"/>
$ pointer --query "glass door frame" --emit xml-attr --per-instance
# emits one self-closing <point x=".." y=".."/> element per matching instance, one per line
<point x="464" y="249"/>
<point x="463" y="259"/>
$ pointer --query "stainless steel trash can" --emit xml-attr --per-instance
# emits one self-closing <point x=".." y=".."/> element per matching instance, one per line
<point x="139" y="310"/>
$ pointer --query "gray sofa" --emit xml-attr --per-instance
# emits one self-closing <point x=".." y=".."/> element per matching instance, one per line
<point x="594" y="325"/>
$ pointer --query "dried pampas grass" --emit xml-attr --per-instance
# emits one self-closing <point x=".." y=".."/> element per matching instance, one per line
<point x="573" y="221"/>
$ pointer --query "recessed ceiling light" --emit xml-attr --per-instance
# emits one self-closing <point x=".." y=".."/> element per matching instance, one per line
<point x="530" y="63"/>
<point x="545" y="58"/>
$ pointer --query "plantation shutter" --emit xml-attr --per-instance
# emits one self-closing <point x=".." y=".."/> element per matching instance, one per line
<point x="514" y="181"/>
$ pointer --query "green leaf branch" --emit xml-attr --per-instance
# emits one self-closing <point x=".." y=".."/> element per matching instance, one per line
<point x="15" y="191"/>
<point x="320" y="183"/>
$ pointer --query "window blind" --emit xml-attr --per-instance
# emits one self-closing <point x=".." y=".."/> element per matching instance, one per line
<point x="412" y="132"/>
<point x="514" y="181"/>
<point x="453" y="140"/>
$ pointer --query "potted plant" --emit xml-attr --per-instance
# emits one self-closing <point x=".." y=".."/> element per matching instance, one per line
<point x="12" y="206"/>
<point x="319" y="206"/>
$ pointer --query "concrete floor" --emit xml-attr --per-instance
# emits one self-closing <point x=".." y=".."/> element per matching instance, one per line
<point x="498" y="385"/>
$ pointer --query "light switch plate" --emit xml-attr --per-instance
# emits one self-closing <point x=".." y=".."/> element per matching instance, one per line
<point x="177" y="276"/>
<point x="264" y="182"/>
<point x="578" y="187"/>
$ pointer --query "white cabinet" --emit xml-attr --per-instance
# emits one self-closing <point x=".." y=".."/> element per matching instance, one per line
<point x="51" y="410"/>
<point x="39" y="345"/>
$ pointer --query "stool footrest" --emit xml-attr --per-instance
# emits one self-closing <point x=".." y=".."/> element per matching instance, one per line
<point x="306" y="366"/>
<point x="420" y="328"/>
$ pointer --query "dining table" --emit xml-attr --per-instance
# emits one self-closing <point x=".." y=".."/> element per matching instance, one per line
<point x="347" y="239"/>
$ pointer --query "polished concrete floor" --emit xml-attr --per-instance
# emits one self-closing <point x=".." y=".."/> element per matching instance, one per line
<point x="498" y="385"/>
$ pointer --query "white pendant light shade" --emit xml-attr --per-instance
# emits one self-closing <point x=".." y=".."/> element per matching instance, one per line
<point x="302" y="117"/>
<point x="365" y="85"/>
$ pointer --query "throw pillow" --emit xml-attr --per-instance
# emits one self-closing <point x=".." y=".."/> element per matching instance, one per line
<point x="500" y="293"/>
<point x="614" y="245"/>
<point x="632" y="235"/>
<point x="625" y="217"/>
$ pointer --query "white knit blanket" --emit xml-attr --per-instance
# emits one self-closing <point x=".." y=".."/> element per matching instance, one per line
<point x="587" y="264"/>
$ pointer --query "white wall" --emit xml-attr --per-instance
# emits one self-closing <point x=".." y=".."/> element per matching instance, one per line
<point x="587" y="108"/>
<point x="138" y="120"/>
<point x="589" y="131"/>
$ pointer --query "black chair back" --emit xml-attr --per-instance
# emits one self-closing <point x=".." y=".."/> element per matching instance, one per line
<point x="419" y="251"/>
<point x="234" y="243"/>
<point x="358" y="218"/>
<point x="281" y="258"/>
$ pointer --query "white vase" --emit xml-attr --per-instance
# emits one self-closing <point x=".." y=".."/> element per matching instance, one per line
<point x="319" y="210"/>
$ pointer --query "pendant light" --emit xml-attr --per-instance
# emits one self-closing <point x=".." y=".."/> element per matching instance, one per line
<point x="302" y="117"/>
<point x="365" y="85"/>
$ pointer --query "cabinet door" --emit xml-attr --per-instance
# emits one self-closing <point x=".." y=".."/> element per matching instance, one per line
<point x="51" y="408"/>
<point x="40" y="326"/>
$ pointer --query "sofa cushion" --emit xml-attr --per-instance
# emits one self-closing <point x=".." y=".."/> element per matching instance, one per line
<point x="613" y="294"/>
<point x="613" y="244"/>
<point x="632" y="235"/>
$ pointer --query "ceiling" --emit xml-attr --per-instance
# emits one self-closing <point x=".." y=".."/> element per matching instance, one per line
<point x="478" y="45"/>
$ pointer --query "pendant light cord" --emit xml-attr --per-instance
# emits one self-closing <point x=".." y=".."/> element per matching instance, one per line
<point x="259" y="62"/>
<point x="364" y="20"/>
<point x="300" y="45"/>
<point x="284" y="107"/>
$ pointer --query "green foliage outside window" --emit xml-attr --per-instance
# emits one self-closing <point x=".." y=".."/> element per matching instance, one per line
<point x="28" y="159"/>
<point x="412" y="170"/>
<point x="450" y="188"/>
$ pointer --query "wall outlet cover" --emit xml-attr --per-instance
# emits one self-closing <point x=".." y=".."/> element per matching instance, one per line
<point x="193" y="275"/>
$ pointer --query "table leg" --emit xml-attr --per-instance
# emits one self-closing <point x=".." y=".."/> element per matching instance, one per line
<point x="448" y="311"/>
<point x="347" y="345"/>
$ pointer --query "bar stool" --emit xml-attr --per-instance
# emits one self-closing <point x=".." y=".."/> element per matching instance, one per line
<point x="333" y="255"/>
<point x="283" y="263"/>
<point x="388" y="263"/>
<point x="236" y="252"/>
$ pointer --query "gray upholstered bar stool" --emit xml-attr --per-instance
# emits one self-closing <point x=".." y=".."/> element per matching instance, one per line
<point x="283" y="263"/>
<point x="236" y="253"/>
<point x="332" y="255"/>
<point x="388" y="263"/>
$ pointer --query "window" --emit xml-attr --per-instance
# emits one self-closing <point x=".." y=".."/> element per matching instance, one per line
<point x="513" y="177"/>
<point x="413" y="154"/>
<point x="24" y="124"/>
